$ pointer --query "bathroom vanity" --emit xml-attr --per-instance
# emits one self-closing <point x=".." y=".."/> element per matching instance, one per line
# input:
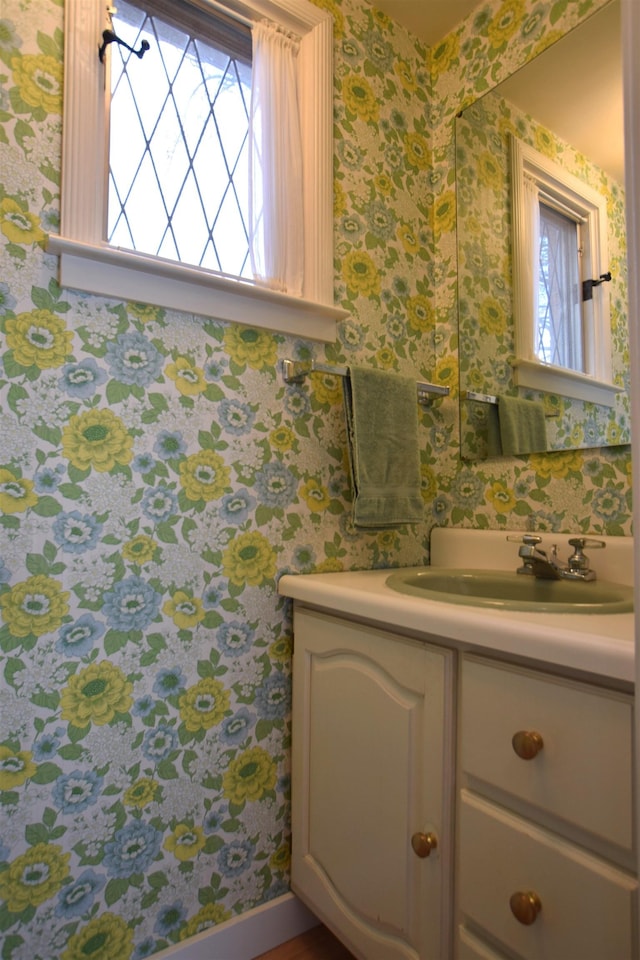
<point x="462" y="777"/>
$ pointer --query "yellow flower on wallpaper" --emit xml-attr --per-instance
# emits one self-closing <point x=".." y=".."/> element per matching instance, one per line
<point x="16" y="493"/>
<point x="501" y="496"/>
<point x="16" y="766"/>
<point x="444" y="54"/>
<point x="360" y="99"/>
<point x="428" y="482"/>
<point x="315" y="495"/>
<point x="185" y="842"/>
<point x="558" y="466"/>
<point x="140" y="549"/>
<point x="327" y="389"/>
<point x="185" y="611"/>
<point x="19" y="225"/>
<point x="34" y="877"/>
<point x="360" y="274"/>
<point x="95" y="695"/>
<point x="329" y="565"/>
<point x="140" y="793"/>
<point x="506" y="22"/>
<point x="106" y="937"/>
<point x="249" y="776"/>
<point x="445" y="213"/>
<point x="203" y="705"/>
<point x="405" y="75"/>
<point x="249" y="559"/>
<point x="420" y="316"/>
<point x="281" y="858"/>
<point x="339" y="199"/>
<point x="446" y="372"/>
<point x="39" y="81"/>
<point x="204" y="476"/>
<point x="489" y="171"/>
<point x="247" y="346"/>
<point x="408" y="239"/>
<point x="208" y="916"/>
<point x="492" y="317"/>
<point x="188" y="378"/>
<point x="282" y="439"/>
<point x="417" y="151"/>
<point x="35" y="606"/>
<point x="98" y="439"/>
<point x="39" y="338"/>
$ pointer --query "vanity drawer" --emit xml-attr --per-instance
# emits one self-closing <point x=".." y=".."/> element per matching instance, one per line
<point x="582" y="771"/>
<point x="586" y="905"/>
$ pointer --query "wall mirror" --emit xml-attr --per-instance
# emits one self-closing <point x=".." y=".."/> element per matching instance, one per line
<point x="567" y="104"/>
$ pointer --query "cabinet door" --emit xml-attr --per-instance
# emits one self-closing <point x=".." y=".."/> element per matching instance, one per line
<point x="370" y="737"/>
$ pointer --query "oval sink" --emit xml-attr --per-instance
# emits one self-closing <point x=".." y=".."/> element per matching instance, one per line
<point x="512" y="591"/>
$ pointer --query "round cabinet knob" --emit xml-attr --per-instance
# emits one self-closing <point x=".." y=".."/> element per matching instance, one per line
<point x="423" y="843"/>
<point x="525" y="907"/>
<point x="527" y="744"/>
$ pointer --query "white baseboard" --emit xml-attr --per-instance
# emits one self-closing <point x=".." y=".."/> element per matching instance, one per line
<point x="247" y="936"/>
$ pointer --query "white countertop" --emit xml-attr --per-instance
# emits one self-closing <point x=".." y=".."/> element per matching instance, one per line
<point x="599" y="644"/>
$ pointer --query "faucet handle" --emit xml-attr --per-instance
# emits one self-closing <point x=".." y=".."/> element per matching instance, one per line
<point x="530" y="539"/>
<point x="578" y="562"/>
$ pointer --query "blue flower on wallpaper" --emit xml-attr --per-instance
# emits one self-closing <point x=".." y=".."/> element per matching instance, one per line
<point x="76" y="532"/>
<point x="74" y="792"/>
<point x="236" y="507"/>
<point x="216" y="368"/>
<point x="275" y="485"/>
<point x="143" y="463"/>
<point x="7" y="300"/>
<point x="134" y="360"/>
<point x="273" y="696"/>
<point x="144" y="949"/>
<point x="296" y="402"/>
<point x="143" y="706"/>
<point x="5" y="573"/>
<point x="608" y="503"/>
<point x="80" y="380"/>
<point x="170" y="918"/>
<point x="47" y="746"/>
<point x="381" y="220"/>
<point x="159" y="503"/>
<point x="159" y="743"/>
<point x="47" y="479"/>
<point x="214" y="819"/>
<point x="235" y="637"/>
<point x="236" y="417"/>
<point x="132" y="850"/>
<point x="76" y="639"/>
<point x="75" y="898"/>
<point x="131" y="605"/>
<point x="168" y="682"/>
<point x="235" y="857"/>
<point x="233" y="730"/>
<point x="212" y="596"/>
<point x="304" y="558"/>
<point x="170" y="444"/>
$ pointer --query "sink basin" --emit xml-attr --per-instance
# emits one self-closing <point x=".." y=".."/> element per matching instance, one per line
<point x="511" y="591"/>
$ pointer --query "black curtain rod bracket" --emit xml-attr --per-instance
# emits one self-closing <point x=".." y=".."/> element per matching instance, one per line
<point x="588" y="285"/>
<point x="108" y="36"/>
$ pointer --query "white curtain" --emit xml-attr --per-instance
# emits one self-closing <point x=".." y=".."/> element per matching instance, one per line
<point x="531" y="256"/>
<point x="275" y="163"/>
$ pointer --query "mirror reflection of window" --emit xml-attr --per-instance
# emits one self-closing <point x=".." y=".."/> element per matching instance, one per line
<point x="559" y="334"/>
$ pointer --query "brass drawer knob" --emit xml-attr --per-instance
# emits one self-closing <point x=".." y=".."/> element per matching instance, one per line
<point x="525" y="907"/>
<point x="527" y="744"/>
<point x="423" y="843"/>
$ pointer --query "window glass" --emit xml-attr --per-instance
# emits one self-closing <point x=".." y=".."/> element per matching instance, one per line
<point x="559" y="338"/>
<point x="178" y="139"/>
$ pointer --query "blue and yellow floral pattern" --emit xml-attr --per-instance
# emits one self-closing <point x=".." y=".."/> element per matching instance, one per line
<point x="157" y="476"/>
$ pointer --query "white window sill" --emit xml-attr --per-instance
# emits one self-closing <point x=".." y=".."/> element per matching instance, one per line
<point x="127" y="275"/>
<point x="566" y="383"/>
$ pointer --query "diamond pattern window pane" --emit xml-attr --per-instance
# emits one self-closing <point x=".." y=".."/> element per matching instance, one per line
<point x="178" y="168"/>
<point x="559" y="331"/>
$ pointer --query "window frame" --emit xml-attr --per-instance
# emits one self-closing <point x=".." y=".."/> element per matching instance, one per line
<point x="589" y="206"/>
<point x="88" y="263"/>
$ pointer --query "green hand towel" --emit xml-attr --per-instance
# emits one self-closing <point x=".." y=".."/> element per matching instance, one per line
<point x="523" y="427"/>
<point x="382" y="434"/>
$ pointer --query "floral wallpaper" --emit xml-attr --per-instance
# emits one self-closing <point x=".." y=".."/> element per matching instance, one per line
<point x="486" y="328"/>
<point x="157" y="477"/>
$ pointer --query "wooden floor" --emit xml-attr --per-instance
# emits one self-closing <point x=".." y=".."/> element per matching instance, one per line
<point x="315" y="944"/>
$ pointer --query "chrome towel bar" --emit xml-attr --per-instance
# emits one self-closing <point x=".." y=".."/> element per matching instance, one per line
<point x="295" y="371"/>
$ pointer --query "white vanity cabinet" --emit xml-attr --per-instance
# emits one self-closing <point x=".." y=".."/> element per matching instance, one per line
<point x="544" y="824"/>
<point x="372" y="786"/>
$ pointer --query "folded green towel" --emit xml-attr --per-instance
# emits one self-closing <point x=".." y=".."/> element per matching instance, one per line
<point x="382" y="434"/>
<point x="523" y="427"/>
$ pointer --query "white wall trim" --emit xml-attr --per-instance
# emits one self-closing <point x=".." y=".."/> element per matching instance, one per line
<point x="247" y="936"/>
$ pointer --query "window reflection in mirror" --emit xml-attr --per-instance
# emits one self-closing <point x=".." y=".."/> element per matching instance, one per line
<point x="485" y="254"/>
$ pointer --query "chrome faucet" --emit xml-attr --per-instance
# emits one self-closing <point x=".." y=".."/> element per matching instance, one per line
<point x="536" y="562"/>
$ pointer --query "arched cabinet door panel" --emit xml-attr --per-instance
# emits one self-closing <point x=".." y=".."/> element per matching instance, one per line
<point x="371" y="798"/>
